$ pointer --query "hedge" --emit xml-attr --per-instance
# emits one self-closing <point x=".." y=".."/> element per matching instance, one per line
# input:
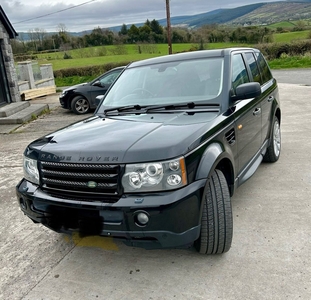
<point x="87" y="71"/>
<point x="275" y="50"/>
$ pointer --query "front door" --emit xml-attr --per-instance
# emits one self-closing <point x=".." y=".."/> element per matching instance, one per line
<point x="247" y="117"/>
<point x="4" y="88"/>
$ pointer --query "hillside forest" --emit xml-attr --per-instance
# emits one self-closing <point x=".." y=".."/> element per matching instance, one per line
<point x="151" y="32"/>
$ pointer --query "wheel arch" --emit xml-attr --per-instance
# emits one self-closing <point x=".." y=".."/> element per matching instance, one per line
<point x="215" y="157"/>
<point x="278" y="114"/>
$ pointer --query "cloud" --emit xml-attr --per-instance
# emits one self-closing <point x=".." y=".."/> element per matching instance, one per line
<point x="47" y="14"/>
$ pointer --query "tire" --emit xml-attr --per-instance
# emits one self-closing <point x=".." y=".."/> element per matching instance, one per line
<point x="216" y="224"/>
<point x="274" y="149"/>
<point x="80" y="105"/>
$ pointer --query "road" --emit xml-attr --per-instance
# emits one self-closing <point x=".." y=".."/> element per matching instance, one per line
<point x="294" y="76"/>
<point x="269" y="259"/>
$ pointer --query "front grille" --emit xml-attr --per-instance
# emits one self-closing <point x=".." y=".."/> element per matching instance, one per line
<point x="85" y="182"/>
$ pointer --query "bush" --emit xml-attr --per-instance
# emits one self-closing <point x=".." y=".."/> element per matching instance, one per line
<point x="25" y="57"/>
<point x="87" y="71"/>
<point x="67" y="56"/>
<point x="276" y="50"/>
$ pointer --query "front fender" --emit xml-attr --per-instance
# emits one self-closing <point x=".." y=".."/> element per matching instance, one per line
<point x="209" y="159"/>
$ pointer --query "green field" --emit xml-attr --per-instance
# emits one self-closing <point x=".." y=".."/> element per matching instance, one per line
<point x="110" y="54"/>
<point x="127" y="53"/>
<point x="288" y="37"/>
<point x="285" y="24"/>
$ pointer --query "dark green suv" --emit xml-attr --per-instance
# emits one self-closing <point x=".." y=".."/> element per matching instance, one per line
<point x="156" y="165"/>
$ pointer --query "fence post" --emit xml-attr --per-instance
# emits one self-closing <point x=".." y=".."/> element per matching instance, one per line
<point x="26" y="73"/>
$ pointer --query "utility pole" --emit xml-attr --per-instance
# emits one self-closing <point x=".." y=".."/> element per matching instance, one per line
<point x="168" y="20"/>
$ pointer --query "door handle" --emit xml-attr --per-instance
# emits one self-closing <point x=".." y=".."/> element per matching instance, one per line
<point x="256" y="111"/>
<point x="271" y="98"/>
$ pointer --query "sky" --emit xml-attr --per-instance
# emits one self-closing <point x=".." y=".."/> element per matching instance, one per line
<point x="80" y="15"/>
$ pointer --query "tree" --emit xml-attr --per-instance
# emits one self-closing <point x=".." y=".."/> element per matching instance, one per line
<point x="97" y="37"/>
<point x="156" y="27"/>
<point x="62" y="32"/>
<point x="123" y="30"/>
<point x="133" y="34"/>
<point x="144" y="33"/>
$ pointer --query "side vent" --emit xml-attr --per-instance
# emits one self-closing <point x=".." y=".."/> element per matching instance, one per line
<point x="230" y="136"/>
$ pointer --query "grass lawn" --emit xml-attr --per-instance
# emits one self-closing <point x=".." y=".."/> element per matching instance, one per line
<point x="125" y="54"/>
<point x="288" y="37"/>
<point x="107" y="54"/>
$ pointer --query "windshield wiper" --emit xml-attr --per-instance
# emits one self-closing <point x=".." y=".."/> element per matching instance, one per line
<point x="189" y="105"/>
<point x="148" y="108"/>
<point x="119" y="109"/>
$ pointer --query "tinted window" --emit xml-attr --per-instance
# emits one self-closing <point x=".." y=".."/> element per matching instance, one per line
<point x="253" y="66"/>
<point x="239" y="72"/>
<point x="264" y="68"/>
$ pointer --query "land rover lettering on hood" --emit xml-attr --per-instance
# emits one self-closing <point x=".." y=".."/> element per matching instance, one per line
<point x="158" y="162"/>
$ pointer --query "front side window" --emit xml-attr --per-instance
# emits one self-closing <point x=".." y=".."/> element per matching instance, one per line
<point x="110" y="78"/>
<point x="239" y="72"/>
<point x="168" y="83"/>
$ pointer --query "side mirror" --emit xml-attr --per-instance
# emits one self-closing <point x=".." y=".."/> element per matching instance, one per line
<point x="99" y="99"/>
<point x="247" y="91"/>
<point x="97" y="83"/>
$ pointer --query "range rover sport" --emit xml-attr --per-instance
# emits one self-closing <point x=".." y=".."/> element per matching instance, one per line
<point x="158" y="162"/>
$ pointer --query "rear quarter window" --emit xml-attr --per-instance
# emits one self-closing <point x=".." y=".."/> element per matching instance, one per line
<point x="253" y="67"/>
<point x="264" y="68"/>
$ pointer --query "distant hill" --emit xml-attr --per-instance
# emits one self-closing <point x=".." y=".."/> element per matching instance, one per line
<point x="255" y="14"/>
<point x="219" y="16"/>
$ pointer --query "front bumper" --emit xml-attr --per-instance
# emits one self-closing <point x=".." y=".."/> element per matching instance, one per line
<point x="64" y="102"/>
<point x="174" y="217"/>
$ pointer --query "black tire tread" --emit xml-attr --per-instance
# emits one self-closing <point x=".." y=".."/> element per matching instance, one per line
<point x="216" y="224"/>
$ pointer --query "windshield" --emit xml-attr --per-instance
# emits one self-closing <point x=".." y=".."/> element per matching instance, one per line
<point x="167" y="83"/>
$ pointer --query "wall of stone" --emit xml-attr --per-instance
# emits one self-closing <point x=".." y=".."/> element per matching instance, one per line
<point x="8" y="58"/>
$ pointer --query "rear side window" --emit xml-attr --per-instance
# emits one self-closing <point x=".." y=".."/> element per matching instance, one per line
<point x="239" y="72"/>
<point x="253" y="67"/>
<point x="264" y="68"/>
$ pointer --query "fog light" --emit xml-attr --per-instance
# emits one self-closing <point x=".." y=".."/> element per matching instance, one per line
<point x="23" y="203"/>
<point x="142" y="219"/>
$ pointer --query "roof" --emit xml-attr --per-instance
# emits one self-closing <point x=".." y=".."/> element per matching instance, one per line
<point x="189" y="55"/>
<point x="7" y="24"/>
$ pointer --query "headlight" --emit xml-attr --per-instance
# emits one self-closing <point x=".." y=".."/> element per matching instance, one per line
<point x="64" y="92"/>
<point x="31" y="172"/>
<point x="155" y="176"/>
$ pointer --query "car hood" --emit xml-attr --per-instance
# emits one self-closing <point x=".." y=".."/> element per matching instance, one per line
<point x="71" y="88"/>
<point x="126" y="139"/>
